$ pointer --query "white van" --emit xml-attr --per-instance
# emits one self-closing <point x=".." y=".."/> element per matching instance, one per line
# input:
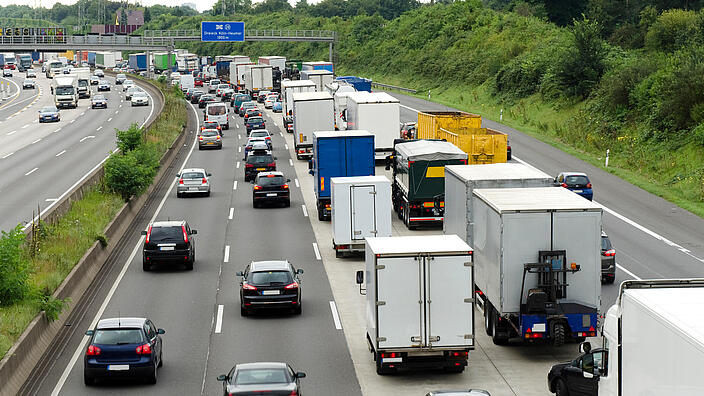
<point x="217" y="112"/>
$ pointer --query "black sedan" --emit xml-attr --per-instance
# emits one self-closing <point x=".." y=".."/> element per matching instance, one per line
<point x="270" y="378"/>
<point x="258" y="161"/>
<point x="195" y="96"/>
<point x="270" y="187"/>
<point x="205" y="99"/>
<point x="254" y="123"/>
<point x="123" y="347"/>
<point x="580" y="376"/>
<point x="49" y="114"/>
<point x="270" y="284"/>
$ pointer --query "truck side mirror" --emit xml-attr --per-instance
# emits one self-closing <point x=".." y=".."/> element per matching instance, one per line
<point x="360" y="277"/>
<point x="585" y="347"/>
<point x="310" y="164"/>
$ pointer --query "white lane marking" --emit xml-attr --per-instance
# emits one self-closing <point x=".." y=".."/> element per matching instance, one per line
<point x="99" y="314"/>
<point x="119" y="106"/>
<point x="99" y="128"/>
<point x="36" y="141"/>
<point x="410" y="108"/>
<point x="296" y="181"/>
<point x="239" y="149"/>
<point x="57" y="129"/>
<point x="11" y="133"/>
<point x="627" y="272"/>
<point x="218" y="322"/>
<point x="7" y="155"/>
<point x="286" y="145"/>
<point x="117" y="111"/>
<point x="239" y="136"/>
<point x="282" y="135"/>
<point x="305" y="211"/>
<point x="238" y="165"/>
<point x="84" y="113"/>
<point x="226" y="259"/>
<point x="30" y="172"/>
<point x="335" y="316"/>
<point x="72" y="121"/>
<point x="234" y="185"/>
<point x="109" y="119"/>
<point x="25" y="126"/>
<point x="316" y="251"/>
<point x="232" y="214"/>
<point x="237" y="125"/>
<point x="87" y="137"/>
<point x="59" y="154"/>
<point x="51" y="199"/>
<point x="290" y="161"/>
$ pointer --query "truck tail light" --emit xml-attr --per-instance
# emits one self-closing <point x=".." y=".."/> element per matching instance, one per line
<point x="200" y="138"/>
<point x="185" y="234"/>
<point x="609" y="253"/>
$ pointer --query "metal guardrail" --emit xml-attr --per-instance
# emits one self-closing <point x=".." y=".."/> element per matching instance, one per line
<point x="387" y="86"/>
<point x="249" y="35"/>
<point x="89" y="41"/>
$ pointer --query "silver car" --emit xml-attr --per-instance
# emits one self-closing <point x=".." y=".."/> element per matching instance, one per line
<point x="193" y="181"/>
<point x="139" y="98"/>
<point x="127" y="84"/>
<point x="209" y="138"/>
<point x="131" y="91"/>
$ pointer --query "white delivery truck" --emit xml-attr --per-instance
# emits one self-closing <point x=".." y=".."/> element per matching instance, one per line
<point x="288" y="88"/>
<point x="312" y="111"/>
<point x="83" y="74"/>
<point x="461" y="180"/>
<point x="258" y="78"/>
<point x="273" y="61"/>
<point x="378" y="113"/>
<point x="653" y="344"/>
<point x="340" y="101"/>
<point x="361" y="207"/>
<point x="65" y="90"/>
<point x="420" y="305"/>
<point x="319" y="77"/>
<point x="54" y="68"/>
<point x="538" y="263"/>
<point x="240" y="72"/>
<point x="187" y="81"/>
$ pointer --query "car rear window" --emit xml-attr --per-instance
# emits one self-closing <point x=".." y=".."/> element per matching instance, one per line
<point x="166" y="233"/>
<point x="192" y="175"/>
<point x="254" y="120"/>
<point x="118" y="336"/>
<point x="259" y="134"/>
<point x="209" y="133"/>
<point x="605" y="243"/>
<point x="271" y="180"/>
<point x="261" y="376"/>
<point x="260" y="159"/>
<point x="576" y="179"/>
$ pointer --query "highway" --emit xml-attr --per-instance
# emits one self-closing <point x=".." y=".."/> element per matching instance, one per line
<point x="40" y="162"/>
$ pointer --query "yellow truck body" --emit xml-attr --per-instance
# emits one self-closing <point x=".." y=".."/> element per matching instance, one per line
<point x="482" y="145"/>
<point x="68" y="54"/>
<point x="430" y="123"/>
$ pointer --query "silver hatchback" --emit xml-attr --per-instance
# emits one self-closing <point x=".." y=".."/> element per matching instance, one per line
<point x="193" y="181"/>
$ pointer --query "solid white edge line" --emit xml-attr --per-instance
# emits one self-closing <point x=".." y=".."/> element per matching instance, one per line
<point x="290" y="161"/>
<point x="226" y="259"/>
<point x="629" y="273"/>
<point x="335" y="315"/>
<point x="305" y="211"/>
<point x="218" y="321"/>
<point x="81" y="346"/>
<point x="232" y="214"/>
<point x="316" y="251"/>
<point x="7" y="155"/>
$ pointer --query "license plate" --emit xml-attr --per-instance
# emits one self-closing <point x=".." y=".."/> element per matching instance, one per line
<point x="118" y="367"/>
<point x="270" y="292"/>
<point x="166" y="248"/>
<point x="192" y="188"/>
<point x="271" y="195"/>
<point x="577" y="191"/>
<point x="261" y="168"/>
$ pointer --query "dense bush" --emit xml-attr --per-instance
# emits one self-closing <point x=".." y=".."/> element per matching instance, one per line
<point x="130" y="138"/>
<point x="674" y="29"/>
<point x="14" y="268"/>
<point x="130" y="172"/>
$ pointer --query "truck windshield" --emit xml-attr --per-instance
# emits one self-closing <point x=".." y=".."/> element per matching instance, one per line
<point x="64" y="90"/>
<point x="82" y="83"/>
<point x="55" y="65"/>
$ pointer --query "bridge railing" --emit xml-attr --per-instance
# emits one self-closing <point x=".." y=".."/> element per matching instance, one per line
<point x="87" y="39"/>
<point x="251" y="33"/>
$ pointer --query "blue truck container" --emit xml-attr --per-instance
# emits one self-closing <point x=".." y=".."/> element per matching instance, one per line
<point x="91" y="58"/>
<point x="359" y="83"/>
<point x="2" y="60"/>
<point x="339" y="154"/>
<point x="222" y="69"/>
<point x="138" y="61"/>
<point x="35" y="56"/>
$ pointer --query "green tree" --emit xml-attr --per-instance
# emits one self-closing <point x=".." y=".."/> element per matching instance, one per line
<point x="130" y="139"/>
<point x="14" y="268"/>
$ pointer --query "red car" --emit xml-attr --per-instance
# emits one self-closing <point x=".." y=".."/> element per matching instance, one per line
<point x="198" y="82"/>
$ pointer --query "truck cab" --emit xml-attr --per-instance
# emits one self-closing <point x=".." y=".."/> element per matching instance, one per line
<point x="65" y="91"/>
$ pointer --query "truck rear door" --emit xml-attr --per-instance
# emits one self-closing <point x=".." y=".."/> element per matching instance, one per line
<point x="399" y="312"/>
<point x="363" y="212"/>
<point x="449" y="291"/>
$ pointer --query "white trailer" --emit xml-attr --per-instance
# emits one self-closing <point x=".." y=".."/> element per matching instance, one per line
<point x="273" y="61"/>
<point x="461" y="180"/>
<point x="288" y="88"/>
<point x="340" y="101"/>
<point x="312" y="111"/>
<point x="361" y="207"/>
<point x="258" y="78"/>
<point x="538" y="257"/>
<point x="378" y="113"/>
<point x="319" y="77"/>
<point x="420" y="305"/>
<point x="653" y="344"/>
<point x="83" y="75"/>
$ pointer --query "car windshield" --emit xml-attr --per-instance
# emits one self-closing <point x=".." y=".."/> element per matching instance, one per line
<point x="576" y="180"/>
<point x="103" y="82"/>
<point x="260" y="159"/>
<point x="605" y="243"/>
<point x="254" y="120"/>
<point x="217" y="110"/>
<point x="118" y="336"/>
<point x="98" y="97"/>
<point x="214" y="83"/>
<point x="222" y="86"/>
<point x="261" y="376"/>
<point x="49" y="109"/>
<point x="208" y="133"/>
<point x="166" y="233"/>
<point x="248" y="105"/>
<point x="64" y="90"/>
<point x="259" y="134"/>
<point x="271" y="180"/>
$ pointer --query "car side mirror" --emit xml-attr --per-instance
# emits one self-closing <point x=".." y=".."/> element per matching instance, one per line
<point x="222" y="377"/>
<point x="161" y="331"/>
<point x="299" y="271"/>
<point x="360" y="277"/>
<point x="288" y="180"/>
<point x="193" y="232"/>
<point x="143" y="232"/>
<point x="239" y="273"/>
<point x="90" y="332"/>
<point x="178" y="175"/>
<point x="300" y="374"/>
<point x="275" y="158"/>
<point x="208" y="174"/>
<point x="585" y="347"/>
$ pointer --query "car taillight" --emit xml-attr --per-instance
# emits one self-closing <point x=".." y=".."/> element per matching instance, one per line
<point x="185" y="234"/>
<point x="217" y="138"/>
<point x="93" y="350"/>
<point x="293" y="285"/>
<point x="257" y="187"/>
<point x="564" y="185"/>
<point x="149" y="234"/>
<point x="285" y="186"/>
<point x="609" y="253"/>
<point x="247" y="286"/>
<point x="272" y="164"/>
<point x="293" y="393"/>
<point x="145" y="349"/>
<point x="180" y="181"/>
<point x="248" y="165"/>
<point x="200" y="138"/>
<point x="589" y="185"/>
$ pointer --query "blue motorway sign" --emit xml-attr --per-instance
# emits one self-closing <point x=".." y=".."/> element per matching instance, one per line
<point x="222" y="31"/>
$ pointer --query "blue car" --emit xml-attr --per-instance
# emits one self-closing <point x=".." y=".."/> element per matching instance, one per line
<point x="576" y="182"/>
<point x="123" y="347"/>
<point x="278" y="107"/>
<point x="49" y="114"/>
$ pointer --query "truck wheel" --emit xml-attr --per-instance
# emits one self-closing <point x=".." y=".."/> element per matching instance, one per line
<point x="561" y="388"/>
<point x="497" y="339"/>
<point x="487" y="318"/>
<point x="558" y="334"/>
<point x="321" y="214"/>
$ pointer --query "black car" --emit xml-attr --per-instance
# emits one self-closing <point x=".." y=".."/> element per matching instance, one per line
<point x="270" y="187"/>
<point x="270" y="284"/>
<point x="272" y="379"/>
<point x="254" y="122"/>
<point x="258" y="161"/>
<point x="227" y="96"/>
<point x="195" y="97"/>
<point x="608" y="260"/>
<point x="252" y="113"/>
<point x="189" y="92"/>
<point x="205" y="99"/>
<point x="169" y="241"/>
<point x="579" y="377"/>
<point x="123" y="347"/>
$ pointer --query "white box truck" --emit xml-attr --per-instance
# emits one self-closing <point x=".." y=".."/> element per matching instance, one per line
<point x="288" y="88"/>
<point x="420" y="305"/>
<point x="273" y="61"/>
<point x="312" y="111"/>
<point x="461" y="180"/>
<point x="187" y="81"/>
<point x="378" y="113"/>
<point x="361" y="207"/>
<point x="319" y="77"/>
<point x="239" y="72"/>
<point x="538" y="263"/>
<point x="83" y="74"/>
<point x="65" y="90"/>
<point x="653" y="344"/>
<point x="258" y="78"/>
